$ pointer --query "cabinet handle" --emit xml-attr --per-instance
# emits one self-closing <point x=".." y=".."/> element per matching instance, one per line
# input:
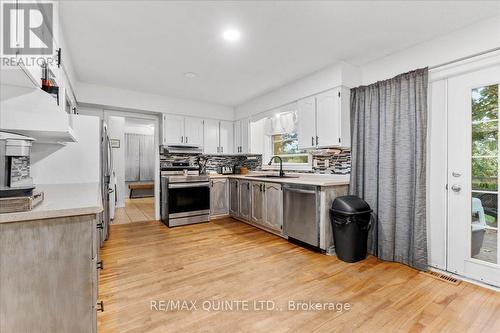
<point x="317" y="140"/>
<point x="100" y="265"/>
<point x="312" y="140"/>
<point x="218" y="149"/>
<point x="186" y="139"/>
<point x="248" y="186"/>
<point x="221" y="149"/>
<point x="182" y="139"/>
<point x="100" y="306"/>
<point x="100" y="226"/>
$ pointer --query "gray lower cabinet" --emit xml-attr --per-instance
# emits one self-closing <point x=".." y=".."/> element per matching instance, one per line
<point x="258" y="203"/>
<point x="48" y="275"/>
<point x="245" y="200"/>
<point x="234" y="197"/>
<point x="273" y="212"/>
<point x="219" y="198"/>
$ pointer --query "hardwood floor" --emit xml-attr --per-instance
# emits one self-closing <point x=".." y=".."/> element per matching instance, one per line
<point x="227" y="260"/>
<point x="135" y="210"/>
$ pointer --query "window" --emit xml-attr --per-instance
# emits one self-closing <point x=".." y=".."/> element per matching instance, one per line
<point x="287" y="147"/>
<point x="283" y="139"/>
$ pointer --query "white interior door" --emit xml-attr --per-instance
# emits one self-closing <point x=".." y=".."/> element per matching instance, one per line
<point x="473" y="175"/>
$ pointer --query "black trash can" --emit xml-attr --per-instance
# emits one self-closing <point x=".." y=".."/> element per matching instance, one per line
<point x="351" y="220"/>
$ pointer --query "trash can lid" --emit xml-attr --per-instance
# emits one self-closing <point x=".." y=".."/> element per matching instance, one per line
<point x="350" y="205"/>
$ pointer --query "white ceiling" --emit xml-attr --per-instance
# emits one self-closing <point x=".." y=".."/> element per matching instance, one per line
<point x="148" y="45"/>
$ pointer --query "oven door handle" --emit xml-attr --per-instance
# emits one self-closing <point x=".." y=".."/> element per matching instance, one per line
<point x="184" y="185"/>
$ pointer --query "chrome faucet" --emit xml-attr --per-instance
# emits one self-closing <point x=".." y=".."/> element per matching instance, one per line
<point x="282" y="174"/>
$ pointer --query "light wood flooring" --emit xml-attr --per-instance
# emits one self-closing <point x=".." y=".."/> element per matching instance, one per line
<point x="135" y="210"/>
<point x="229" y="260"/>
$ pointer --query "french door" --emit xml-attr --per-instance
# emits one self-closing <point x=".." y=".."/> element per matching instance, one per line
<point x="473" y="175"/>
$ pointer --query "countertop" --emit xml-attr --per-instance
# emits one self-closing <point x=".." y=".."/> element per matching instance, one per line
<point x="303" y="178"/>
<point x="61" y="200"/>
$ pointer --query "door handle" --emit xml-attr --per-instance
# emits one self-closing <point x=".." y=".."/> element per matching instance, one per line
<point x="456" y="188"/>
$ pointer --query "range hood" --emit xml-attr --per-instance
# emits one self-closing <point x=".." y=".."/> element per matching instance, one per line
<point x="182" y="150"/>
<point x="35" y="113"/>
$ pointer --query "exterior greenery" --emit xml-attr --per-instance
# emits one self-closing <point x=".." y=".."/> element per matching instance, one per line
<point x="485" y="138"/>
<point x="287" y="147"/>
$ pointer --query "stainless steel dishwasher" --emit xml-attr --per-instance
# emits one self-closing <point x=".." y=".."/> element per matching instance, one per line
<point x="301" y="213"/>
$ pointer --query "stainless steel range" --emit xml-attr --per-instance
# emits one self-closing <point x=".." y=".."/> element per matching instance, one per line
<point x="185" y="195"/>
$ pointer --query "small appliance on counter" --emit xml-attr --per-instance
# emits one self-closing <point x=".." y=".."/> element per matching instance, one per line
<point x="225" y="170"/>
<point x="16" y="184"/>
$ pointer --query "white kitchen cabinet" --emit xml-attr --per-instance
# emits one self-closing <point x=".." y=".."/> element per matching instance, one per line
<point x="241" y="139"/>
<point x="234" y="197"/>
<point x="328" y="119"/>
<point x="193" y="131"/>
<point x="219" y="203"/>
<point x="258" y="203"/>
<point x="273" y="211"/>
<point x="245" y="198"/>
<point x="306" y="124"/>
<point x="182" y="131"/>
<point x="226" y="137"/>
<point x="324" y="120"/>
<point x="211" y="142"/>
<point x="174" y="130"/>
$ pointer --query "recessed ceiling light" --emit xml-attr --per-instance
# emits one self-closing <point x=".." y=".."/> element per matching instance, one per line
<point x="190" y="75"/>
<point x="231" y="35"/>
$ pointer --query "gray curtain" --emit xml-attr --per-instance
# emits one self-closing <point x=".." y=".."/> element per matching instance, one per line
<point x="389" y="126"/>
<point x="139" y="157"/>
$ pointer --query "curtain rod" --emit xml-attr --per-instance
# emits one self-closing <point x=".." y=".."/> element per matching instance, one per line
<point x="464" y="58"/>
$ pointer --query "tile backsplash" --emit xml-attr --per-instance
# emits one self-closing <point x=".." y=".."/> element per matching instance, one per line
<point x="251" y="161"/>
<point x="325" y="161"/>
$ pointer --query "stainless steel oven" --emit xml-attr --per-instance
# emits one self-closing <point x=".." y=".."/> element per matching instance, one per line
<point x="185" y="199"/>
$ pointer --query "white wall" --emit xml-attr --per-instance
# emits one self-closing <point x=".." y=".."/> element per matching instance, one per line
<point x="477" y="38"/>
<point x="325" y="79"/>
<point x="121" y="99"/>
<point x="75" y="162"/>
<point x="116" y="131"/>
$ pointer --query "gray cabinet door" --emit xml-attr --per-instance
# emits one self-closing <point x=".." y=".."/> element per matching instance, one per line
<point x="219" y="197"/>
<point x="245" y="199"/>
<point x="273" y="212"/>
<point x="47" y="275"/>
<point x="258" y="203"/>
<point x="234" y="197"/>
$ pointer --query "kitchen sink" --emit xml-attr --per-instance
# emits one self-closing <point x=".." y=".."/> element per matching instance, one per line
<point x="271" y="176"/>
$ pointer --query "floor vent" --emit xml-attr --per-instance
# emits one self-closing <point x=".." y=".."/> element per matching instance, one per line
<point x="442" y="277"/>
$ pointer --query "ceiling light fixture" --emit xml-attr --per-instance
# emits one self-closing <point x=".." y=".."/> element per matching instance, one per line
<point x="190" y="75"/>
<point x="231" y="35"/>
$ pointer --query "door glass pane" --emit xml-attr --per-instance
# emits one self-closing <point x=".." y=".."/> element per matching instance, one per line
<point x="484" y="172"/>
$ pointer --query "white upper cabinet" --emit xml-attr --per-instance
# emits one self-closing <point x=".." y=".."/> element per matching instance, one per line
<point x="174" y="130"/>
<point x="226" y="137"/>
<point x="211" y="137"/>
<point x="324" y="120"/>
<point x="306" y="122"/>
<point x="241" y="140"/>
<point x="328" y="119"/>
<point x="193" y="131"/>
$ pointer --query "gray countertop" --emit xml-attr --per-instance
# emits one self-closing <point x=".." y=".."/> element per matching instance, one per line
<point x="304" y="179"/>
<point x="61" y="200"/>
